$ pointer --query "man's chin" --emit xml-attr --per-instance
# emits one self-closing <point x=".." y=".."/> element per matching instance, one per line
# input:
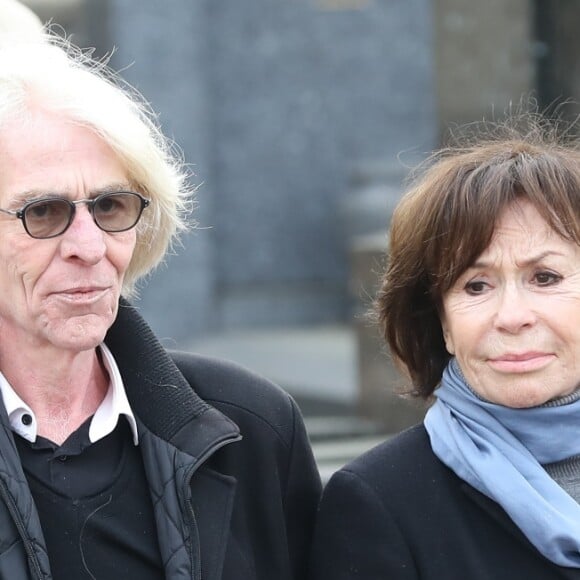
<point x="80" y="333"/>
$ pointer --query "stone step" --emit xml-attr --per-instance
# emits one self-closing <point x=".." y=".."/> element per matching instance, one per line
<point x="333" y="454"/>
<point x="324" y="428"/>
<point x="337" y="439"/>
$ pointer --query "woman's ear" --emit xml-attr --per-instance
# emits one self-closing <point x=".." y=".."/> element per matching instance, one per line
<point x="447" y="336"/>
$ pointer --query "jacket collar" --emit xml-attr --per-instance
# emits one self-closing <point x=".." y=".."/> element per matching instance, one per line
<point x="159" y="394"/>
<point x="168" y="408"/>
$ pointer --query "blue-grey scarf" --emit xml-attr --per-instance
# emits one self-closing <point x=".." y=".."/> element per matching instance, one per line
<point x="499" y="451"/>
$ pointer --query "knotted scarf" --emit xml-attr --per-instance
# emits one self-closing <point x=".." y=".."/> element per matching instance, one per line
<point x="500" y="451"/>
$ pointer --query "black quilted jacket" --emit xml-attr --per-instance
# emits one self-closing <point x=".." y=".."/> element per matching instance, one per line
<point x="227" y="460"/>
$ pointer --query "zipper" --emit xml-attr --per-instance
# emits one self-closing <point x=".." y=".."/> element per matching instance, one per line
<point x="195" y="559"/>
<point x="16" y="517"/>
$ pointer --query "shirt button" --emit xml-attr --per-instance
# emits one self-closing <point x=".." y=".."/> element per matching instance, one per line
<point x="63" y="458"/>
<point x="26" y="419"/>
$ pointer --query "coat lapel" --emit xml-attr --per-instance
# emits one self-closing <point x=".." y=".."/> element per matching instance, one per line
<point x="178" y="433"/>
<point x="500" y="516"/>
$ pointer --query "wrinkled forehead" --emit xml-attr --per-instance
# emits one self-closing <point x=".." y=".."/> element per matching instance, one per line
<point x="522" y="233"/>
<point x="48" y="154"/>
<point x="520" y="224"/>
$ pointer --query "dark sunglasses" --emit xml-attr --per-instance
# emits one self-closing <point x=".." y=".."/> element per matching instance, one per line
<point x="117" y="211"/>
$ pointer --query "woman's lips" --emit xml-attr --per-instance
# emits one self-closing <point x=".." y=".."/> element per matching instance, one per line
<point x="521" y="363"/>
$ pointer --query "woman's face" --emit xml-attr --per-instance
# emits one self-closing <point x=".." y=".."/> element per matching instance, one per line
<point x="512" y="319"/>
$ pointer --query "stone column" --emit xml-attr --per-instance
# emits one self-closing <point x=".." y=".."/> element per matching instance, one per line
<point x="484" y="60"/>
<point x="556" y="51"/>
<point x="367" y="211"/>
<point x="380" y="383"/>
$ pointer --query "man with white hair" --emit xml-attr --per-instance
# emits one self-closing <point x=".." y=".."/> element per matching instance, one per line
<point x="119" y="459"/>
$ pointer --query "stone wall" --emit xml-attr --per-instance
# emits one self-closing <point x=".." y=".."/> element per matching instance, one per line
<point x="274" y="103"/>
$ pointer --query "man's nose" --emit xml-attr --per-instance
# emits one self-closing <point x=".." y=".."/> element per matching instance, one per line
<point x="83" y="239"/>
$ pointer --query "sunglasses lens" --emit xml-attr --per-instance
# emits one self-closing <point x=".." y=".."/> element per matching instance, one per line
<point x="117" y="212"/>
<point x="47" y="218"/>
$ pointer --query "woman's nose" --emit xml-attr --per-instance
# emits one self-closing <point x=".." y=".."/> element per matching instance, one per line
<point x="514" y="312"/>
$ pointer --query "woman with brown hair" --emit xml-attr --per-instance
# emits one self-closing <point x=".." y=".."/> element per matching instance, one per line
<point x="480" y="304"/>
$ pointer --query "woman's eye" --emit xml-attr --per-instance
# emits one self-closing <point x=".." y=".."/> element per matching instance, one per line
<point x="546" y="278"/>
<point x="475" y="287"/>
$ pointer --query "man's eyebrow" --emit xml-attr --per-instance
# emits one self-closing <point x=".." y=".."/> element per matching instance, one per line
<point x="33" y="194"/>
<point x="28" y="195"/>
<point x="112" y="188"/>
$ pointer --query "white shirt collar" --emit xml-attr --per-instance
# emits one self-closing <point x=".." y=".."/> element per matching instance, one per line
<point x="104" y="420"/>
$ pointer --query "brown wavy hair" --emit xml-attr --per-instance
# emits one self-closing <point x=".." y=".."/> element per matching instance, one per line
<point x="447" y="219"/>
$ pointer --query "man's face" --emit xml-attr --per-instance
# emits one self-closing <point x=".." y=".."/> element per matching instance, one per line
<point x="60" y="292"/>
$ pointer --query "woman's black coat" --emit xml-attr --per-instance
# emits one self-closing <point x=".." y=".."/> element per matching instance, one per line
<point x="398" y="513"/>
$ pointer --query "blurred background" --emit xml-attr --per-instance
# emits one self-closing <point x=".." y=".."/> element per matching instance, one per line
<point x="300" y="119"/>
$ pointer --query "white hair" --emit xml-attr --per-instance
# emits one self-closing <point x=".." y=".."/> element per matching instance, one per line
<point x="57" y="77"/>
<point x="18" y="22"/>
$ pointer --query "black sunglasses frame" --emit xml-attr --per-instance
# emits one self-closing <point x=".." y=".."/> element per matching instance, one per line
<point x="90" y="202"/>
